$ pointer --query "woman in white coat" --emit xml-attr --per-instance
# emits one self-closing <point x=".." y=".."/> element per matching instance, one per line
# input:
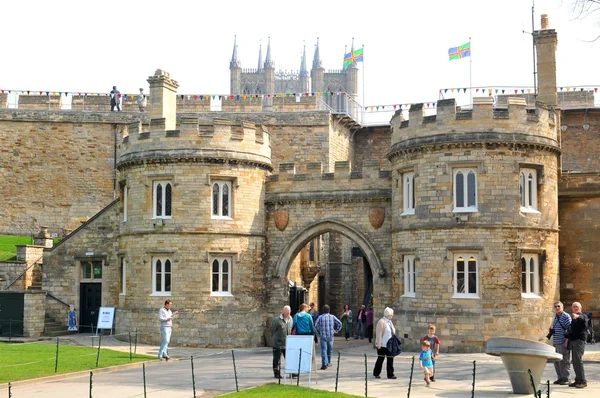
<point x="384" y="331"/>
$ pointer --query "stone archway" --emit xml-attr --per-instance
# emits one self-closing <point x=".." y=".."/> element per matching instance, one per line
<point x="317" y="228"/>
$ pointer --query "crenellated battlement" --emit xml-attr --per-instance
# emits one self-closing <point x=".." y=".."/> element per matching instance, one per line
<point x="483" y="123"/>
<point x="221" y="140"/>
<point x="370" y="178"/>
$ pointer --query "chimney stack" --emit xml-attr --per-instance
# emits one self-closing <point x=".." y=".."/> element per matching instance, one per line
<point x="546" y="41"/>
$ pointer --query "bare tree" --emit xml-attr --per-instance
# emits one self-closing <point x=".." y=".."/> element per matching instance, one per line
<point x="586" y="8"/>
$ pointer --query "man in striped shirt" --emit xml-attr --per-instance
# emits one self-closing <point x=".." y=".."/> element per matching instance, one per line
<point x="327" y="325"/>
<point x="560" y="325"/>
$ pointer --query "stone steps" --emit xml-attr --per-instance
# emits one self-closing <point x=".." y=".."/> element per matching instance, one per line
<point x="55" y="329"/>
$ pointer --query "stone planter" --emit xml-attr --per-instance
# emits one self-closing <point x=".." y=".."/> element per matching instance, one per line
<point x="519" y="356"/>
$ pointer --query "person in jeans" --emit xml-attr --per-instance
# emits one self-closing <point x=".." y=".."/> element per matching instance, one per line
<point x="281" y="327"/>
<point x="327" y="325"/>
<point x="577" y="338"/>
<point x="560" y="324"/>
<point x="383" y="332"/>
<point x="361" y="323"/>
<point x="165" y="316"/>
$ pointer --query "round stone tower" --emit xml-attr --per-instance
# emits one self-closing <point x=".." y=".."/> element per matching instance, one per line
<point x="475" y="226"/>
<point x="193" y="227"/>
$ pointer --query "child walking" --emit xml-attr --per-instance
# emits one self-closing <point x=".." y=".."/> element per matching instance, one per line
<point x="434" y="345"/>
<point x="426" y="362"/>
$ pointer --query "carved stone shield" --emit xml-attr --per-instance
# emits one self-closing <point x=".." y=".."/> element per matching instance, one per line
<point x="377" y="216"/>
<point x="281" y="219"/>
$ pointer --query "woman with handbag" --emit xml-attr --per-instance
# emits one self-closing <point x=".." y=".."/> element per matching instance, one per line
<point x="383" y="333"/>
<point x="346" y="319"/>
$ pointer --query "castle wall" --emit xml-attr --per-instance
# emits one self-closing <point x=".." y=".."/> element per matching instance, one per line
<point x="371" y="143"/>
<point x="51" y="102"/>
<point x="581" y="147"/>
<point x="56" y="169"/>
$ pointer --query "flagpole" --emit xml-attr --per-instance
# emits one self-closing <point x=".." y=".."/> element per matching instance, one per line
<point x="471" y="71"/>
<point x="363" y="88"/>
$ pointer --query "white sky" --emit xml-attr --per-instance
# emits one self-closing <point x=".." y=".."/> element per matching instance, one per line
<point x="89" y="46"/>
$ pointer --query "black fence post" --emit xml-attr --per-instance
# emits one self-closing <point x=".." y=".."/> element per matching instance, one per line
<point x="366" y="382"/>
<point x="99" y="345"/>
<point x="129" y="345"/>
<point x="337" y="372"/>
<point x="193" y="376"/>
<point x="412" y="369"/>
<point x="299" y="363"/>
<point x="473" y="387"/>
<point x="91" y="383"/>
<point x="547" y="388"/>
<point x="9" y="390"/>
<point x="235" y="372"/>
<point x="536" y="393"/>
<point x="136" y="337"/>
<point x="144" y="375"/>
<point x="56" y="361"/>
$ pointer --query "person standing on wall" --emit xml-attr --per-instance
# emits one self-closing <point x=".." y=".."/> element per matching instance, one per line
<point x="327" y="325"/>
<point x="281" y="327"/>
<point x="141" y="100"/>
<point x="577" y="338"/>
<point x="115" y="97"/>
<point x="560" y="325"/>
<point x="165" y="316"/>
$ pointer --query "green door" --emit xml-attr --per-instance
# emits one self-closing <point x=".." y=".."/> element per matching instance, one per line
<point x="11" y="314"/>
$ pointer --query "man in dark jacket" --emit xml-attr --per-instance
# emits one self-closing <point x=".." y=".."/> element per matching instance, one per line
<point x="577" y="338"/>
<point x="281" y="327"/>
<point x="361" y="323"/>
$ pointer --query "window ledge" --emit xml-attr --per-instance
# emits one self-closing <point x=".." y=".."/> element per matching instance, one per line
<point x="530" y="296"/>
<point x="408" y="212"/>
<point x="218" y="294"/>
<point x="465" y="210"/>
<point x="465" y="296"/>
<point x="123" y="294"/>
<point x="162" y="217"/>
<point x="161" y="294"/>
<point x="222" y="218"/>
<point x="529" y="210"/>
<point x="409" y="295"/>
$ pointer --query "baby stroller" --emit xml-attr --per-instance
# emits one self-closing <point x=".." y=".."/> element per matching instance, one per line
<point x="591" y="338"/>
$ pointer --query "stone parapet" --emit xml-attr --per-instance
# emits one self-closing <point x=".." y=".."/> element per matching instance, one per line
<point x="221" y="140"/>
<point x="482" y="124"/>
<point x="43" y="102"/>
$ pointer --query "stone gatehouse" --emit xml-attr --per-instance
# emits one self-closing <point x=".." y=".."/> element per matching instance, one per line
<point x="450" y="218"/>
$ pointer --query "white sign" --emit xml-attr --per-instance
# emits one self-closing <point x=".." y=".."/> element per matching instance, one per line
<point x="106" y="316"/>
<point x="294" y="345"/>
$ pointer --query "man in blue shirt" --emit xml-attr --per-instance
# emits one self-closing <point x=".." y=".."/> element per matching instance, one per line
<point x="560" y="324"/>
<point x="327" y="326"/>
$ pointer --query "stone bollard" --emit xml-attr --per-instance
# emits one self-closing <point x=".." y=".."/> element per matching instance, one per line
<point x="518" y="356"/>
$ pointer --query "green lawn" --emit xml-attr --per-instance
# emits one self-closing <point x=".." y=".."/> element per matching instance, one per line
<point x="287" y="391"/>
<point x="8" y="249"/>
<point x="8" y="245"/>
<point x="28" y="361"/>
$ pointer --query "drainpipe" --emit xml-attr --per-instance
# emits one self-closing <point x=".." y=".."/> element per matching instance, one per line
<point x="116" y="128"/>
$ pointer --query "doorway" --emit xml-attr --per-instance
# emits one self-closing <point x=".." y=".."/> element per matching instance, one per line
<point x="90" y="302"/>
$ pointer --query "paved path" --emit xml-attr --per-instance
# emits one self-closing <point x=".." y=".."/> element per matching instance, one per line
<point x="214" y="375"/>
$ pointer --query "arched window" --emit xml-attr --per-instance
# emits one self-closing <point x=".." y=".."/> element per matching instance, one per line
<point x="408" y="182"/>
<point x="162" y="196"/>
<point x="161" y="276"/>
<point x="465" y="190"/>
<point x="221" y="199"/>
<point x="530" y="275"/>
<point x="409" y="276"/>
<point x="221" y="276"/>
<point x="528" y="190"/>
<point x="466" y="276"/>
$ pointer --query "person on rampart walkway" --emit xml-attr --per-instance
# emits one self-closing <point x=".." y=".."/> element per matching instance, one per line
<point x="560" y="325"/>
<point x="577" y="337"/>
<point x="281" y="327"/>
<point x="165" y="316"/>
<point x="327" y="325"/>
<point x="115" y="98"/>
<point x="141" y="101"/>
<point x="383" y="332"/>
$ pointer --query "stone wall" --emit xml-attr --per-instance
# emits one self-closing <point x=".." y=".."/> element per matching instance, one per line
<point x="3" y="100"/>
<point x="11" y="270"/>
<point x="580" y="145"/>
<point x="34" y="313"/>
<point x="56" y="169"/>
<point x="371" y="143"/>
<point x="40" y="102"/>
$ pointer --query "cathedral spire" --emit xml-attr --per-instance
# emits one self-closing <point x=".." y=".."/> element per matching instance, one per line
<point x="235" y="63"/>
<point x="268" y="62"/>
<point x="317" y="58"/>
<point x="260" y="63"/>
<point x="303" y="70"/>
<point x="353" y="64"/>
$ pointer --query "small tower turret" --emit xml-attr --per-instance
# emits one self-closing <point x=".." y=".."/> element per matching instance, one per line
<point x="317" y="72"/>
<point x="352" y="75"/>
<point x="235" y="71"/>
<point x="546" y="41"/>
<point x="259" y="69"/>
<point x="163" y="99"/>
<point x="303" y="72"/>
<point x="269" y="78"/>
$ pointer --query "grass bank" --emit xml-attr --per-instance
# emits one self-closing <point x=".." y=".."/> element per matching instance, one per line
<point x="287" y="391"/>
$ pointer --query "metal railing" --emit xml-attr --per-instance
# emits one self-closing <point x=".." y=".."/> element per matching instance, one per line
<point x="36" y="262"/>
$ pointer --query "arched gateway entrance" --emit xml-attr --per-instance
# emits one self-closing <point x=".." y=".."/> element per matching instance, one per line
<point x="342" y="207"/>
